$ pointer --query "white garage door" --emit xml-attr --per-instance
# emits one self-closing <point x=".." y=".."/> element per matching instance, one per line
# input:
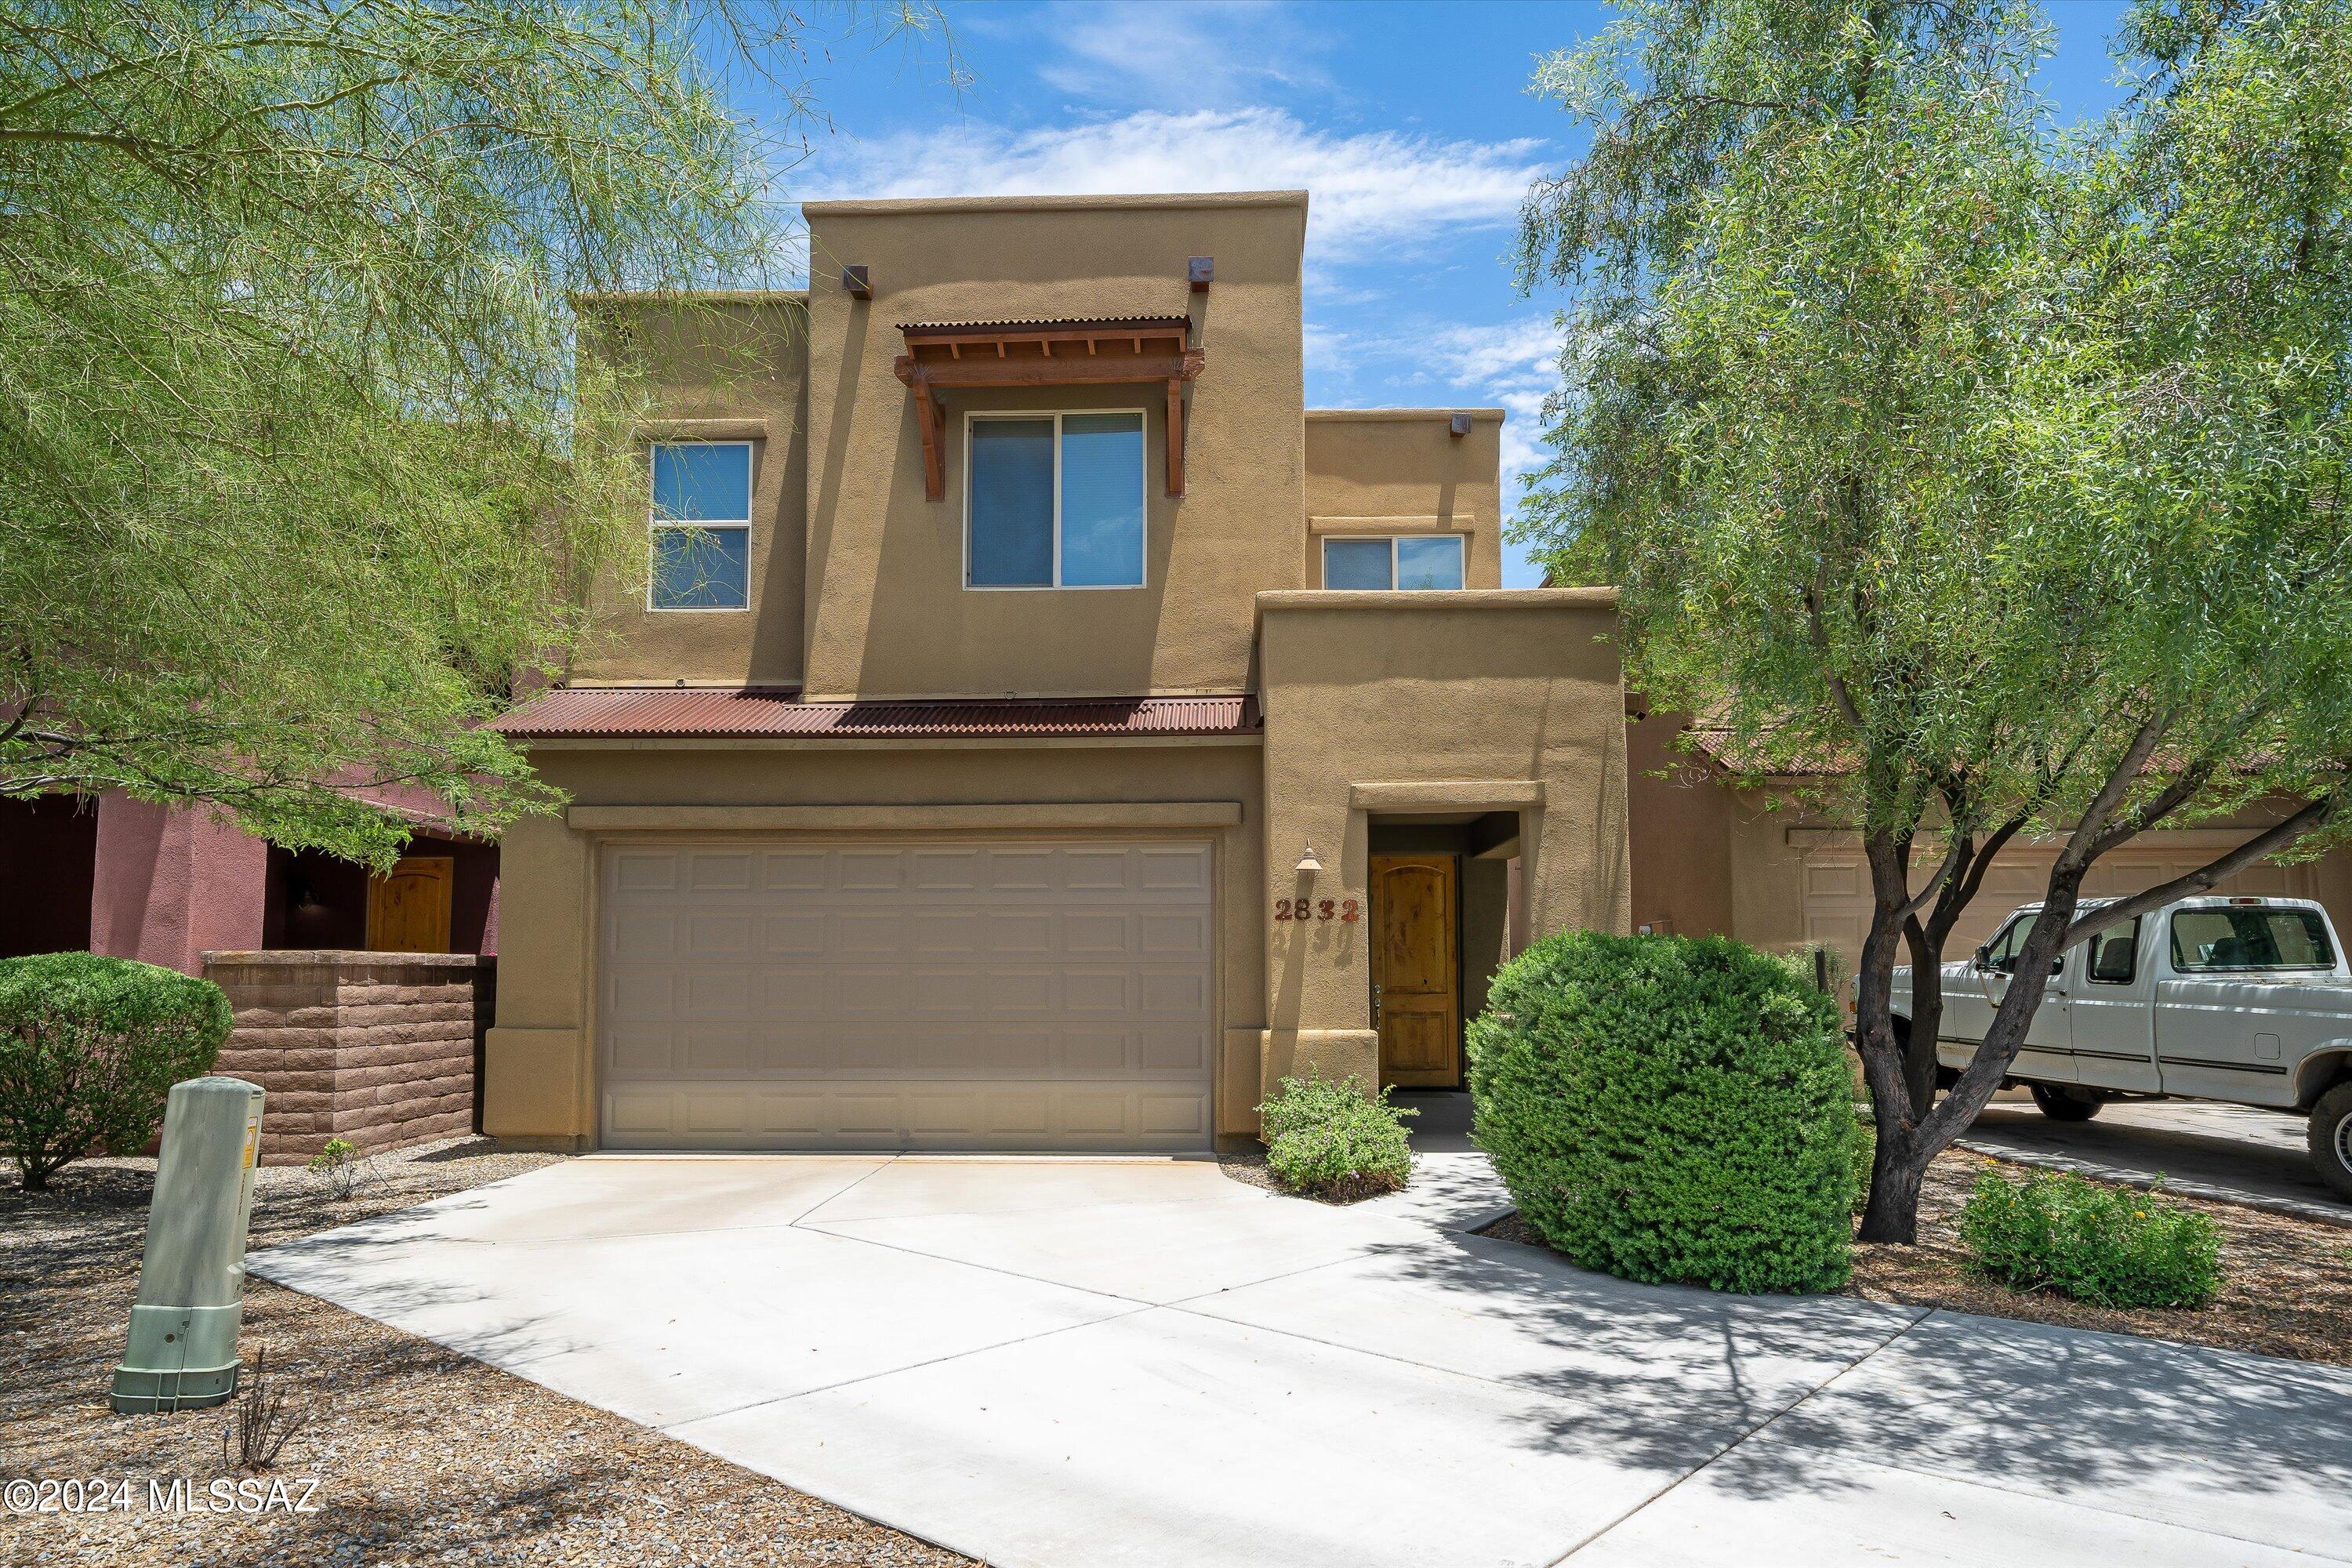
<point x="1837" y="890"/>
<point x="999" y="995"/>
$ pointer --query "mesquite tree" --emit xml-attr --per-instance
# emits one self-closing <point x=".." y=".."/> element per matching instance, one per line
<point x="297" y="470"/>
<point x="1992" y="468"/>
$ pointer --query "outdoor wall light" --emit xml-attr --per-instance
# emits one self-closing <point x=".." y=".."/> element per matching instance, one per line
<point x="1307" y="864"/>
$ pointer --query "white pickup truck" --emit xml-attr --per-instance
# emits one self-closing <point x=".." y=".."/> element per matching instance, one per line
<point x="2237" y="999"/>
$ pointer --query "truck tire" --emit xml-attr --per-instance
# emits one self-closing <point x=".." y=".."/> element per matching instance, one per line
<point x="2331" y="1138"/>
<point x="2065" y="1104"/>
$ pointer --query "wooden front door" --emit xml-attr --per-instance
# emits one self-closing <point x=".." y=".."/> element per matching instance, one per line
<point x="1416" y="990"/>
<point x="408" y="912"/>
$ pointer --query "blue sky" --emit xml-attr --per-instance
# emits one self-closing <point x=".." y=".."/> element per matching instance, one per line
<point x="1409" y="122"/>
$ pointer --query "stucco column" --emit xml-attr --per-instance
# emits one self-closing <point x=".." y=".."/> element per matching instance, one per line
<point x="170" y="883"/>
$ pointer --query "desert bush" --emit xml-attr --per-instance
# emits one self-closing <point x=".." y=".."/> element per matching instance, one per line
<point x="1670" y="1108"/>
<point x="1333" y="1139"/>
<point x="341" y="1168"/>
<point x="88" y="1048"/>
<point x="2110" y="1246"/>
<point x="266" y="1416"/>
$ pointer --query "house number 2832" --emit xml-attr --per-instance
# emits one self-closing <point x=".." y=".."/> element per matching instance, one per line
<point x="1317" y="909"/>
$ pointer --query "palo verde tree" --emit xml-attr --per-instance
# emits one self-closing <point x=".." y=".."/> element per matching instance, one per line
<point x="297" y="472"/>
<point x="1996" y="466"/>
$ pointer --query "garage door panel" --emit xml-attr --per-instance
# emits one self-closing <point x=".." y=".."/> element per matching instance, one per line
<point x="796" y="997"/>
<point x="1173" y="1114"/>
<point x="1183" y="870"/>
<point x="1014" y="992"/>
<point x="1098" y="1115"/>
<point x="872" y="871"/>
<point x="793" y="1049"/>
<point x="1098" y="992"/>
<point x="1014" y="933"/>
<point x="1095" y="1050"/>
<point x="1023" y="870"/>
<point x="869" y="934"/>
<point x="1027" y="1115"/>
<point x="794" y="870"/>
<point x="712" y="871"/>
<point x="1097" y="933"/>
<point x="1172" y="935"/>
<point x="639" y="1051"/>
<point x="1174" y="1050"/>
<point x="643" y="993"/>
<point x="710" y="992"/>
<point x="1182" y="994"/>
<point x="645" y="871"/>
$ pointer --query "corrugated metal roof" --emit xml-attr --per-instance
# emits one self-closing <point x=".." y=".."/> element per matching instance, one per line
<point x="658" y="712"/>
<point x="1060" y="323"/>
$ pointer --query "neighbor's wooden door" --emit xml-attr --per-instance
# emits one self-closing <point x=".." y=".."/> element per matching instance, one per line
<point x="408" y="912"/>
<point x="1415" y="970"/>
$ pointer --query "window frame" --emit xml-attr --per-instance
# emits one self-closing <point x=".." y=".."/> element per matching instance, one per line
<point x="2199" y="972"/>
<point x="655" y="523"/>
<point x="2129" y="933"/>
<point x="1323" y="560"/>
<point x="1142" y="492"/>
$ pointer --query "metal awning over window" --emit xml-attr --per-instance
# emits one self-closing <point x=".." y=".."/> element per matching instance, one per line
<point x="1103" y="352"/>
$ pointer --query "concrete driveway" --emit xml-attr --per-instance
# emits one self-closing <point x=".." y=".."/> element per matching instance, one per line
<point x="1088" y="1362"/>
<point x="2238" y="1153"/>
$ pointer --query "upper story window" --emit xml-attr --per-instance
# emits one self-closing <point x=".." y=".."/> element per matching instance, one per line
<point x="701" y="526"/>
<point x="1056" y="500"/>
<point x="1403" y="561"/>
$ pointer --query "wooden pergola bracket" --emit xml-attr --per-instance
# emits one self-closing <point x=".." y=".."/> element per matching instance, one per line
<point x="1120" y="351"/>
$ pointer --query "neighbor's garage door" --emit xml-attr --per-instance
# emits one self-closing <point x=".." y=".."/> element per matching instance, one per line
<point x="962" y="995"/>
<point x="1837" y="890"/>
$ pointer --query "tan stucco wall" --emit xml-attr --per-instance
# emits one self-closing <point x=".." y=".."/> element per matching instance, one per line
<point x="540" y="1077"/>
<point x="1402" y="471"/>
<point x="1755" y="840"/>
<point x="1681" y="832"/>
<point x="720" y="369"/>
<point x="1481" y="698"/>
<point x="887" y="611"/>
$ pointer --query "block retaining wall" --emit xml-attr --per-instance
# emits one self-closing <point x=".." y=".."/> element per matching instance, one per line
<point x="373" y="1047"/>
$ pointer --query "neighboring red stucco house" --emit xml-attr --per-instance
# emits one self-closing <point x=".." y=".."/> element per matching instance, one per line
<point x="166" y="885"/>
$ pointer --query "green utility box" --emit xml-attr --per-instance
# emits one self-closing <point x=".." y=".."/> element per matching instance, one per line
<point x="183" y="1353"/>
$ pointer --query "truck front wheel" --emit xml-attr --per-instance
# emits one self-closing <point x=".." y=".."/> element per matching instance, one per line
<point x="2065" y="1104"/>
<point x="2331" y="1137"/>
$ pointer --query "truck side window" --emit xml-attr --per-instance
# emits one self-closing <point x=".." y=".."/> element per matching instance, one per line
<point x="2249" y="938"/>
<point x="2114" y="953"/>
<point x="2000" y="952"/>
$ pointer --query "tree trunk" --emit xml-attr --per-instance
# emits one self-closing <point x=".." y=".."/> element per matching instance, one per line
<point x="1893" y="1213"/>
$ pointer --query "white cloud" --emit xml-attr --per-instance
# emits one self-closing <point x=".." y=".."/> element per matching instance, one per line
<point x="1370" y="191"/>
<point x="1216" y="52"/>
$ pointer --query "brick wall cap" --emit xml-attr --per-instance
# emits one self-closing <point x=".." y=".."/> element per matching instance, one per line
<point x="343" y="957"/>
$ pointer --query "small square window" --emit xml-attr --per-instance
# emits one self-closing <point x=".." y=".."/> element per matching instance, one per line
<point x="1422" y="560"/>
<point x="701" y="526"/>
<point x="1054" y="501"/>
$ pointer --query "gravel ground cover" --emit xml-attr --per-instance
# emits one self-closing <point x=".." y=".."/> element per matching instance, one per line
<point x="419" y="1455"/>
<point x="2286" y="1282"/>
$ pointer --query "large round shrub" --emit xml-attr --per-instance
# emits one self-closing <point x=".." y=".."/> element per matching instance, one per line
<point x="1670" y="1108"/>
<point x="88" y="1048"/>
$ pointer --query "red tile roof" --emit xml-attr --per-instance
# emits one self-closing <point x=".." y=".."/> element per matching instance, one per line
<point x="667" y="712"/>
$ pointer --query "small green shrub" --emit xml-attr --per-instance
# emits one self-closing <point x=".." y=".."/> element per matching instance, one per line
<point x="88" y="1048"/>
<point x="1670" y="1108"/>
<point x="1333" y="1141"/>
<point x="2112" y="1246"/>
<point x="341" y="1167"/>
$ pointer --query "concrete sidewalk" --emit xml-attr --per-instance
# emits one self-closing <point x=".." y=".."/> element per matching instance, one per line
<point x="1082" y="1362"/>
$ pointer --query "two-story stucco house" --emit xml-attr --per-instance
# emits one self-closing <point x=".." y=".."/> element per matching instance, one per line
<point x="1041" y="729"/>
